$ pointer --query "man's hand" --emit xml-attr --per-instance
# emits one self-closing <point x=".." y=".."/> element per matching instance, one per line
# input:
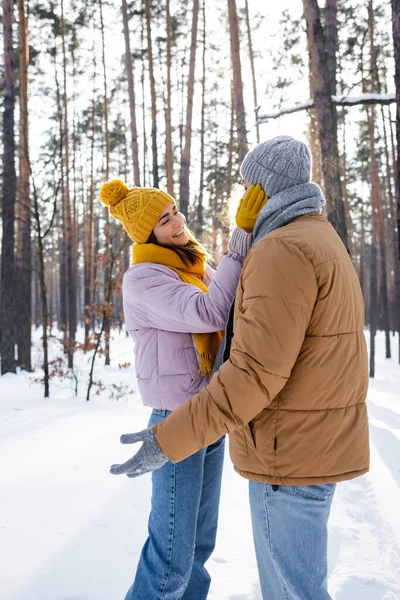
<point x="148" y="458"/>
<point x="249" y="207"/>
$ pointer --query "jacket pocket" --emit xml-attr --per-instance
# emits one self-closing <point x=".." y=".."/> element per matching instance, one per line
<point x="321" y="491"/>
<point x="249" y="439"/>
<point x="193" y="369"/>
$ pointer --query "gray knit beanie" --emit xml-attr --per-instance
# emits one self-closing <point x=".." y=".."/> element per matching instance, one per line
<point x="277" y="164"/>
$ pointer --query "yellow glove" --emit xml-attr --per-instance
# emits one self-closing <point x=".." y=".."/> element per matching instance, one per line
<point x="249" y="207"/>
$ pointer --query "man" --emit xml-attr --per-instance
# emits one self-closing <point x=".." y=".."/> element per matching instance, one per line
<point x="291" y="392"/>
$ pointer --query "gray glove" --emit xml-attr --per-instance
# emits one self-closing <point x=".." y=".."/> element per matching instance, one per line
<point x="240" y="242"/>
<point x="148" y="458"/>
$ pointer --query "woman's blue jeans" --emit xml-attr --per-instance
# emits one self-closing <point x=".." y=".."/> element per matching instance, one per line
<point x="290" y="529"/>
<point x="182" y="526"/>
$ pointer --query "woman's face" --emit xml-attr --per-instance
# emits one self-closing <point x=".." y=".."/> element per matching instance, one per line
<point x="169" y="229"/>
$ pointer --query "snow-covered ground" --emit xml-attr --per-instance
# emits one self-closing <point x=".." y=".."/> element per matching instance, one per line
<point x="71" y="531"/>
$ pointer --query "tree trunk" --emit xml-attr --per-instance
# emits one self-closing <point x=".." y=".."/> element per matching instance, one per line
<point x="185" y="164"/>
<point x="315" y="147"/>
<point x="373" y="300"/>
<point x="67" y="222"/>
<point x="43" y="294"/>
<point x="200" y="207"/>
<point x="361" y="272"/>
<point x="153" y="95"/>
<point x="24" y="283"/>
<point x="253" y="71"/>
<point x="107" y="321"/>
<point x="378" y="226"/>
<point x="224" y="209"/>
<point x="396" y="44"/>
<point x="393" y="236"/>
<point x="9" y="194"/>
<point x="326" y="115"/>
<point x="75" y="216"/>
<point x="168" y="125"/>
<point x="143" y="90"/>
<point x="88" y="238"/>
<point x="331" y="45"/>
<point x="331" y="39"/>
<point x="63" y="308"/>
<point x="131" y="92"/>
<point x="214" y="201"/>
<point x="375" y="186"/>
<point x="237" y="80"/>
<point x="346" y="201"/>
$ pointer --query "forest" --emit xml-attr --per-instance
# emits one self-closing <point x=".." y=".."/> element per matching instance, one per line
<point x="172" y="94"/>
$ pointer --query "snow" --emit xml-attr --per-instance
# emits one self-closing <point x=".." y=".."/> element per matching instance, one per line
<point x="71" y="531"/>
<point x="343" y="100"/>
<point x="368" y="98"/>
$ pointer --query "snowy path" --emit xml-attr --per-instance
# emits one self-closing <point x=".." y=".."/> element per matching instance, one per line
<point x="69" y="531"/>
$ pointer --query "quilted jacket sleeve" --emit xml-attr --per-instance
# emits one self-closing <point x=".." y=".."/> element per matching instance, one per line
<point x="155" y="296"/>
<point x="278" y="292"/>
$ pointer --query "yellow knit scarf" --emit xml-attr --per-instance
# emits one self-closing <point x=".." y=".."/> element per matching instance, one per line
<point x="207" y="344"/>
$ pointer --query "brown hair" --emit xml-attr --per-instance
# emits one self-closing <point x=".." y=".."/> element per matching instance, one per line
<point x="190" y="253"/>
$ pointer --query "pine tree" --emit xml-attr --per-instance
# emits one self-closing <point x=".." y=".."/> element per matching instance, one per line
<point x="7" y="315"/>
<point x="24" y="267"/>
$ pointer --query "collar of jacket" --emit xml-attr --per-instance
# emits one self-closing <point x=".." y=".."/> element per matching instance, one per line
<point x="288" y="205"/>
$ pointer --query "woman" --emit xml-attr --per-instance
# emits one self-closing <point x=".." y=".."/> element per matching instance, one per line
<point x="175" y="309"/>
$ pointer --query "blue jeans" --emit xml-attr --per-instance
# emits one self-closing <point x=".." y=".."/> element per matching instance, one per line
<point x="291" y="538"/>
<point x="182" y="526"/>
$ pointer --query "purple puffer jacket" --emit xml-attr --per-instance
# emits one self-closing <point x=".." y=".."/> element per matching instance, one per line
<point x="161" y="312"/>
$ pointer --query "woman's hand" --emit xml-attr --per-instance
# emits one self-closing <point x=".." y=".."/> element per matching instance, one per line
<point x="249" y="207"/>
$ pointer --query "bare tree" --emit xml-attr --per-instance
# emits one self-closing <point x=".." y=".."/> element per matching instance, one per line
<point x="89" y="227"/>
<point x="185" y="162"/>
<point x="375" y="185"/>
<point x="373" y="296"/>
<point x="392" y="233"/>
<point x="237" y="79"/>
<point x="396" y="44"/>
<point x="24" y="279"/>
<point x="67" y="216"/>
<point x="253" y="69"/>
<point x="153" y="94"/>
<point x="107" y="323"/>
<point x="9" y="195"/>
<point x="200" y="207"/>
<point x="331" y="42"/>
<point x="41" y="276"/>
<point x="131" y="92"/>
<point x="168" y="110"/>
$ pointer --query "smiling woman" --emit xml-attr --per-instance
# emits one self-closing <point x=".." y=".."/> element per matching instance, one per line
<point x="175" y="308"/>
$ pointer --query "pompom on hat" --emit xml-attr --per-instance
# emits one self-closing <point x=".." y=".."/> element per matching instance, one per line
<point x="277" y="164"/>
<point x="137" y="209"/>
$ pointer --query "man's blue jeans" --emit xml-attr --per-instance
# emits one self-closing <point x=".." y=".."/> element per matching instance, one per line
<point x="182" y="526"/>
<point x="291" y="538"/>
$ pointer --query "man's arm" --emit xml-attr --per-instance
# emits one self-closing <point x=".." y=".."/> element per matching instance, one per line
<point x="279" y="293"/>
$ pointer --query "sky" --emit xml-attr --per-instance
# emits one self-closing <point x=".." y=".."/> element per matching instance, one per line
<point x="265" y="17"/>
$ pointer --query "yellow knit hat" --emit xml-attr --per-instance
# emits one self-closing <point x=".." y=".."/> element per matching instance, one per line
<point x="138" y="209"/>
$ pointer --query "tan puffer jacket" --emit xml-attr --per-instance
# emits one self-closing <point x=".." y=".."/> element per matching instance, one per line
<point x="292" y="395"/>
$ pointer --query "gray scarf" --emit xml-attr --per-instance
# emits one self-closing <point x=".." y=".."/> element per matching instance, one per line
<point x="280" y="210"/>
<point x="287" y="205"/>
